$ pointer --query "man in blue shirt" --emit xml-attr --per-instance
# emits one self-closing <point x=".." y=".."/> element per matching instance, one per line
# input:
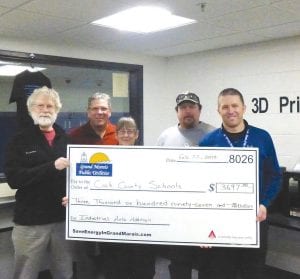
<point x="236" y="132"/>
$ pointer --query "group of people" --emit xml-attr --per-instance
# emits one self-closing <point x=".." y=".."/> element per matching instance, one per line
<point x="36" y="165"/>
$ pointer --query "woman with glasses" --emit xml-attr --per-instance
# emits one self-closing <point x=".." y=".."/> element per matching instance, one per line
<point x="128" y="261"/>
<point x="127" y="132"/>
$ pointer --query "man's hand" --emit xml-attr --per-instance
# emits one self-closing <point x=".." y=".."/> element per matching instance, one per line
<point x="65" y="201"/>
<point x="61" y="163"/>
<point x="262" y="213"/>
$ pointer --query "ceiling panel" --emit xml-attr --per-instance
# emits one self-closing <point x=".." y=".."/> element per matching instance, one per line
<point x="96" y="36"/>
<point x="13" y="3"/>
<point x="212" y="8"/>
<point x="208" y="44"/>
<point x="256" y="18"/>
<point x="42" y="25"/>
<point x="3" y="10"/>
<point x="221" y="23"/>
<point x="170" y="38"/>
<point x="75" y="9"/>
<point x="288" y="5"/>
<point x="289" y="30"/>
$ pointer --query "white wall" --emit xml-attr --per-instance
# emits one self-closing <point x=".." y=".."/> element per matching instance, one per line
<point x="267" y="70"/>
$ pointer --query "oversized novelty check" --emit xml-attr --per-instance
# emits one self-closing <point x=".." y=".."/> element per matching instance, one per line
<point x="155" y="195"/>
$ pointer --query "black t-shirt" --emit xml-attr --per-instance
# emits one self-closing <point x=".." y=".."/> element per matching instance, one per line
<point x="23" y="86"/>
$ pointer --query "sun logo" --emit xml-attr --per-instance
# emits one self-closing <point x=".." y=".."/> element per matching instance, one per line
<point x="99" y="164"/>
<point x="99" y="158"/>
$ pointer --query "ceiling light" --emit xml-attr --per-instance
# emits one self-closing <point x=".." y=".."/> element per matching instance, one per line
<point x="13" y="70"/>
<point x="143" y="20"/>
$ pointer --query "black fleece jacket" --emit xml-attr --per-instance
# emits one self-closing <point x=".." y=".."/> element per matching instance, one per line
<point x="29" y="168"/>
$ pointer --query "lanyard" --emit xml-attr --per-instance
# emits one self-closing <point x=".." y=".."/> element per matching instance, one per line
<point x="244" y="142"/>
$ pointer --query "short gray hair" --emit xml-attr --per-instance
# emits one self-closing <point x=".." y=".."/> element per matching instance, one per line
<point x="99" y="96"/>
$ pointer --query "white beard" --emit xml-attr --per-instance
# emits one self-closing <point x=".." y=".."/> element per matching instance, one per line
<point x="44" y="120"/>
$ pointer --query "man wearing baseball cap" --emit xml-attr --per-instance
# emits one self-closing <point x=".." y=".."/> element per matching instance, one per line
<point x="188" y="132"/>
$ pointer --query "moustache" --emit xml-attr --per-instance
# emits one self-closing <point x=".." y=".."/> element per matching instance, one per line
<point x="45" y="115"/>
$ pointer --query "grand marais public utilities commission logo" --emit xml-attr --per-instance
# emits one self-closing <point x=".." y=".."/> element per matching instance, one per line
<point x="98" y="165"/>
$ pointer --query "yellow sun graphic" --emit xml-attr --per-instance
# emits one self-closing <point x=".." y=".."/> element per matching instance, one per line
<point x="99" y="157"/>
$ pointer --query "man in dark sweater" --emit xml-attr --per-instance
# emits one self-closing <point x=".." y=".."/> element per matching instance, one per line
<point x="35" y="166"/>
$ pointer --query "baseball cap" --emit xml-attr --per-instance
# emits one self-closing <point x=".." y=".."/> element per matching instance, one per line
<point x="187" y="97"/>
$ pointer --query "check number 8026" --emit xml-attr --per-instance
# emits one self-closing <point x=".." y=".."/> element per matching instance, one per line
<point x="241" y="159"/>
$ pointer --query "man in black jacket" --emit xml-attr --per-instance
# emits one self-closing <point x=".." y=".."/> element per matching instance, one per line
<point x="35" y="166"/>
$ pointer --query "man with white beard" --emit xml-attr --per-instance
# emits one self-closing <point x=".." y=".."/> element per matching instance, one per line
<point x="35" y="165"/>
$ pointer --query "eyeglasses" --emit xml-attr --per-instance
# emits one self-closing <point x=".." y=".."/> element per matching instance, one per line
<point x="187" y="97"/>
<point x="44" y="106"/>
<point x="129" y="132"/>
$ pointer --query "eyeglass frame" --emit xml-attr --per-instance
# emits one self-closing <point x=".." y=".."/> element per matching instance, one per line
<point x="129" y="132"/>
